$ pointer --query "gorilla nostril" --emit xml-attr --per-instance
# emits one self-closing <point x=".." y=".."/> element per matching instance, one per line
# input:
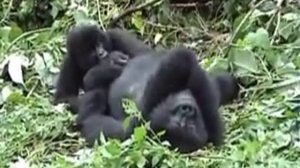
<point x="186" y="108"/>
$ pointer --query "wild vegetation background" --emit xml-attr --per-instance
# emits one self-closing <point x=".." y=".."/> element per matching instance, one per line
<point x="257" y="39"/>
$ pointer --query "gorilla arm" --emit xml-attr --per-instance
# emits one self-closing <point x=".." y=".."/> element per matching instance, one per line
<point x="165" y="81"/>
<point x="69" y="81"/>
<point x="127" y="43"/>
<point x="228" y="87"/>
<point x="93" y="119"/>
<point x="102" y="75"/>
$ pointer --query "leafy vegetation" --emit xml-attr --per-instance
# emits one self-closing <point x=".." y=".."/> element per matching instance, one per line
<point x="258" y="40"/>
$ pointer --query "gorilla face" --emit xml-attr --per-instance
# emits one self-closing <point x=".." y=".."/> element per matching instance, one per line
<point x="181" y="119"/>
<point x="88" y="45"/>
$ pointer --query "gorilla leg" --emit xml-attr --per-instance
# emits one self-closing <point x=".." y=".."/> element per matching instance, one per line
<point x="94" y="117"/>
<point x="127" y="43"/>
<point x="172" y="76"/>
<point x="92" y="126"/>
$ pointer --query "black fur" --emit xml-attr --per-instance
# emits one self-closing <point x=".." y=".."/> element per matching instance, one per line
<point x="174" y="94"/>
<point x="88" y="46"/>
<point x="156" y="81"/>
<point x="102" y="75"/>
<point x="170" y="89"/>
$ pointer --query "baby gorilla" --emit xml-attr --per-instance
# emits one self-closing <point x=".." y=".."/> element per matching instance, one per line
<point x="89" y="46"/>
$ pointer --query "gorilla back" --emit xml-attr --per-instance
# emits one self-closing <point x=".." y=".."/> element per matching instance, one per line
<point x="175" y="95"/>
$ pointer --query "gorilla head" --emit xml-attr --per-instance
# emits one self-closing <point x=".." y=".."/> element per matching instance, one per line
<point x="180" y="115"/>
<point x="87" y="45"/>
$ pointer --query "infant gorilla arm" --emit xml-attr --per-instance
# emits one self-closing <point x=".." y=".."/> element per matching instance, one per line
<point x="88" y="46"/>
<point x="102" y="75"/>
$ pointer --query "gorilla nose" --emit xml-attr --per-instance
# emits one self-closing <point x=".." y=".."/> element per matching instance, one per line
<point x="187" y="110"/>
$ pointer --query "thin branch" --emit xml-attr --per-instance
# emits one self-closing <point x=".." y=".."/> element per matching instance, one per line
<point x="132" y="10"/>
<point x="185" y="5"/>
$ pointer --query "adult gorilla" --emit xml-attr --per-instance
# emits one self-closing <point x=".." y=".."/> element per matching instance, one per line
<point x="170" y="89"/>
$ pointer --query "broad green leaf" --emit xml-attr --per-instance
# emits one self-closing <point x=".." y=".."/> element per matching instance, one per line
<point x="139" y="133"/>
<point x="285" y="29"/>
<point x="242" y="27"/>
<point x="113" y="148"/>
<point x="297" y="61"/>
<point x="81" y="16"/>
<point x="244" y="59"/>
<point x="291" y="16"/>
<point x="6" y="92"/>
<point x="138" y="22"/>
<point x="273" y="58"/>
<point x="218" y="65"/>
<point x="4" y="33"/>
<point x="260" y="38"/>
<point x="126" y="122"/>
<point x="15" y="32"/>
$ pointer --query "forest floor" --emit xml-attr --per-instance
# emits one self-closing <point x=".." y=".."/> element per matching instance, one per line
<point x="257" y="40"/>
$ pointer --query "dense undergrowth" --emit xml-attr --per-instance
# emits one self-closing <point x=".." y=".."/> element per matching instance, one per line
<point x="257" y="40"/>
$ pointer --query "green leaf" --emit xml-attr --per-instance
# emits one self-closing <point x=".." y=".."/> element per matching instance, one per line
<point x="81" y="16"/>
<point x="273" y="58"/>
<point x="138" y="22"/>
<point x="15" y="32"/>
<point x="139" y="133"/>
<point x="291" y="16"/>
<point x="4" y="33"/>
<point x="244" y="59"/>
<point x="244" y="27"/>
<point x="126" y="122"/>
<point x="258" y="39"/>
<point x="218" y="65"/>
<point x="285" y="29"/>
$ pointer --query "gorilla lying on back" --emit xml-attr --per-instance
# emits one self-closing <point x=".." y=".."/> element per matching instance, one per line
<point x="88" y="46"/>
<point x="170" y="89"/>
